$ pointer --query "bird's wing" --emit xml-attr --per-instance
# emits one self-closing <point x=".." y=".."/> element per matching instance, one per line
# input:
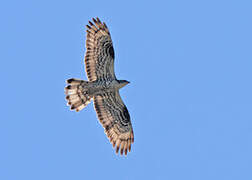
<point x="99" y="58"/>
<point x="115" y="119"/>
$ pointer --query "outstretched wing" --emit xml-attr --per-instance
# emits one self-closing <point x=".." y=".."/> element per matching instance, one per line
<point x="99" y="58"/>
<point x="114" y="117"/>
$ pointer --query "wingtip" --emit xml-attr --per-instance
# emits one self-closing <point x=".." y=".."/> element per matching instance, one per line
<point x="98" y="20"/>
<point x="126" y="151"/>
<point x="90" y="23"/>
<point x="117" y="149"/>
<point x="129" y="147"/>
<point x="87" y="26"/>
<point x="94" y="20"/>
<point x="113" y="143"/>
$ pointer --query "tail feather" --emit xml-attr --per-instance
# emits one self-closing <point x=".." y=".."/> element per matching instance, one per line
<point x="77" y="94"/>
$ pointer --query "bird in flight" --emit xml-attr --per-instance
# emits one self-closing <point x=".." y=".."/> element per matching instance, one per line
<point x="102" y="87"/>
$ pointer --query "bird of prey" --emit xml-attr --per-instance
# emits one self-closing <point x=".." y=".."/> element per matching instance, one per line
<point x="102" y="87"/>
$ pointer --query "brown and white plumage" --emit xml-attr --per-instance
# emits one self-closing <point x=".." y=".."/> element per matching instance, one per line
<point x="103" y="87"/>
<point x="99" y="58"/>
<point x="115" y="119"/>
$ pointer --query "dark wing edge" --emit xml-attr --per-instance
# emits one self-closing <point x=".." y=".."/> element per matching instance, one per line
<point x="99" y="57"/>
<point x="115" y="119"/>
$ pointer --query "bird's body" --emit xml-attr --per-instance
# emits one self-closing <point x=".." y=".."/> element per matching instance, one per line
<point x="102" y="87"/>
<point x="95" y="88"/>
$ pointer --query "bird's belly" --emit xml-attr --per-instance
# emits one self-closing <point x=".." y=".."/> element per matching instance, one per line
<point x="102" y="87"/>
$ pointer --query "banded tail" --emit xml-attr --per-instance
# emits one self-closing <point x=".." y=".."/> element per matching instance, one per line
<point x="77" y="94"/>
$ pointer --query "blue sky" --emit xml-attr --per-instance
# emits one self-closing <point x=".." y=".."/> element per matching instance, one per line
<point x="190" y="68"/>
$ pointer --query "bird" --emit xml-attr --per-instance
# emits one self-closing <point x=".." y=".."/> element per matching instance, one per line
<point x="102" y="87"/>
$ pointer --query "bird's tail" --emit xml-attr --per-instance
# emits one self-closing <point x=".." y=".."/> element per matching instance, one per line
<point x="77" y="94"/>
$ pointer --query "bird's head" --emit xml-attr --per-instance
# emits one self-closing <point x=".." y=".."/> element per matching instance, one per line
<point x="123" y="83"/>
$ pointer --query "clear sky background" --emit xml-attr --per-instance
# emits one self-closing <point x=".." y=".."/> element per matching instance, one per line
<point x="190" y="68"/>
